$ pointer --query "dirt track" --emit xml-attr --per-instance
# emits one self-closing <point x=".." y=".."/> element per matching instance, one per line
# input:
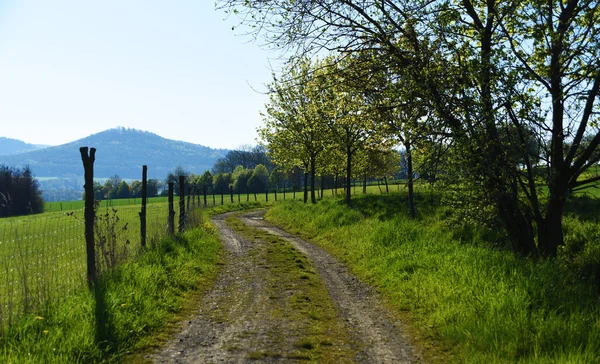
<point x="241" y="319"/>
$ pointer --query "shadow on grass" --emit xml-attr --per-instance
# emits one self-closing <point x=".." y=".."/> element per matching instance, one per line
<point x="387" y="206"/>
<point x="106" y="338"/>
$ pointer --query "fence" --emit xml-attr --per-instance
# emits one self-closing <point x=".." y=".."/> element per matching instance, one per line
<point x="48" y="257"/>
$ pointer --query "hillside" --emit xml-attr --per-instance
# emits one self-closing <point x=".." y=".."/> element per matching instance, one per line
<point x="119" y="151"/>
<point x="10" y="146"/>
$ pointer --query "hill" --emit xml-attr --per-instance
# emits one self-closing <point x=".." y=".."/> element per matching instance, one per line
<point x="10" y="146"/>
<point x="119" y="151"/>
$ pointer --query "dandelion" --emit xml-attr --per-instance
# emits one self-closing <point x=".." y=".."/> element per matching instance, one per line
<point x="45" y="332"/>
<point x="39" y="318"/>
<point x="124" y="305"/>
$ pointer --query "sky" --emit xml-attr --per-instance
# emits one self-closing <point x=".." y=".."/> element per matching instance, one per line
<point x="69" y="69"/>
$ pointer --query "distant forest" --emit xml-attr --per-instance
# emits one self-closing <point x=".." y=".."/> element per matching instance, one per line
<point x="19" y="192"/>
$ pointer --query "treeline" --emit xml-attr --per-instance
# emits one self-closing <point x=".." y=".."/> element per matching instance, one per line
<point x="251" y="169"/>
<point x="19" y="192"/>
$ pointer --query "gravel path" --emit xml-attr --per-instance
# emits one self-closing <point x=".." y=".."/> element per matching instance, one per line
<point x="237" y="321"/>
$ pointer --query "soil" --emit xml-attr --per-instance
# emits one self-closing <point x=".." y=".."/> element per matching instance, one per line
<point x="246" y="316"/>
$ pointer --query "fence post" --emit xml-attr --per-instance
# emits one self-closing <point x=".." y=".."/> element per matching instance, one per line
<point x="222" y="194"/>
<point x="89" y="214"/>
<point x="275" y="195"/>
<point x="171" y="210"/>
<point x="231" y="192"/>
<point x="267" y="194"/>
<point x="143" y="212"/>
<point x="188" y="199"/>
<point x="181" y="203"/>
<point x="204" y="190"/>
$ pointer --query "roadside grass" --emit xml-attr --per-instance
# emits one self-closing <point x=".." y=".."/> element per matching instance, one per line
<point x="299" y="297"/>
<point x="138" y="301"/>
<point x="468" y="299"/>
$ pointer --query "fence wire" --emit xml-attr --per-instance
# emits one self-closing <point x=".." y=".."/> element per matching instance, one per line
<point x="43" y="258"/>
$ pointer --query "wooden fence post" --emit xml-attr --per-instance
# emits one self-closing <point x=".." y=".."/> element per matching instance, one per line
<point x="188" y="200"/>
<point x="143" y="211"/>
<point x="204" y="190"/>
<point x="181" y="203"/>
<point x="222" y="194"/>
<point x="267" y="194"/>
<point x="171" y="210"/>
<point x="275" y="195"/>
<point x="231" y="192"/>
<point x="89" y="214"/>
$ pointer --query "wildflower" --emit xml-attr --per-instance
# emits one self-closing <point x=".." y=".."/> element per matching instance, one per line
<point x="45" y="332"/>
<point x="38" y="318"/>
<point x="124" y="305"/>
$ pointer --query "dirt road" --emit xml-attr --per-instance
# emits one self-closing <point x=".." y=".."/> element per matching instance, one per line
<point x="280" y="298"/>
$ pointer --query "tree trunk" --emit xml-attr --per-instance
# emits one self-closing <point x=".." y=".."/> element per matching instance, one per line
<point x="551" y="235"/>
<point x="387" y="188"/>
<point x="305" y="187"/>
<point x="348" y="174"/>
<point x="312" y="181"/>
<point x="409" y="166"/>
<point x="365" y="185"/>
<point x="322" y="185"/>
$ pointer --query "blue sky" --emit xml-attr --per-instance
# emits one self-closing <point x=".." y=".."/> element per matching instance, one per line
<point x="69" y="69"/>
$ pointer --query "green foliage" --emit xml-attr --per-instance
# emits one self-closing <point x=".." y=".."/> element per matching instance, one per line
<point x="259" y="180"/>
<point x="221" y="183"/>
<point x="241" y="176"/>
<point x="479" y="304"/>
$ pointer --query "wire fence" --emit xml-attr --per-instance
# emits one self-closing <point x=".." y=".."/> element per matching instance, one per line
<point x="43" y="258"/>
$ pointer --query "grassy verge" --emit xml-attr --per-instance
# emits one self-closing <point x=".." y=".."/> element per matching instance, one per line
<point x="299" y="301"/>
<point x="136" y="301"/>
<point x="477" y="302"/>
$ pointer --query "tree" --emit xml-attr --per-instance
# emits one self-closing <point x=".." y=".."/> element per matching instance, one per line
<point x="123" y="190"/>
<point x="240" y="179"/>
<point x="294" y="128"/>
<point x="135" y="189"/>
<point x="259" y="180"/>
<point x="351" y="124"/>
<point x="152" y="187"/>
<point x="19" y="192"/>
<point x="206" y="179"/>
<point x="221" y="183"/>
<point x="173" y="177"/>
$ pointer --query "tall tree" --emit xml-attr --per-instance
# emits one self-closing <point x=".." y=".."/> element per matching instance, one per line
<point x="294" y="129"/>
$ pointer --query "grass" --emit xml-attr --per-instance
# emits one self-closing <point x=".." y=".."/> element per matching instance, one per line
<point x="475" y="301"/>
<point x="135" y="302"/>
